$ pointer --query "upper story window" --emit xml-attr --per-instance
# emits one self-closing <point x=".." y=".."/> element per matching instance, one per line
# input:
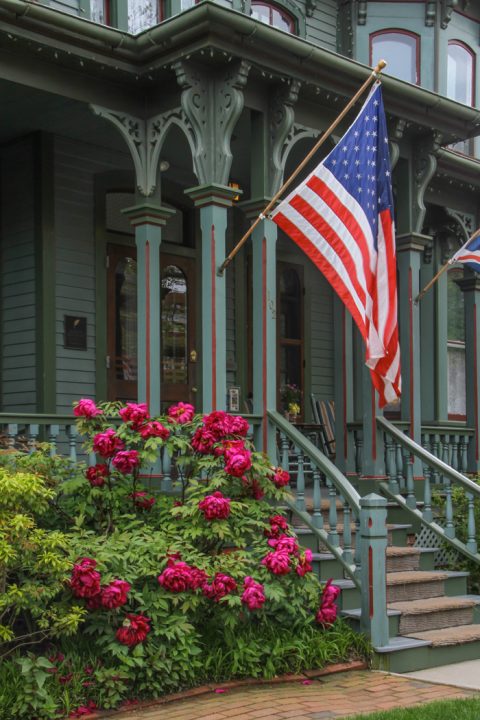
<point x="460" y="73"/>
<point x="273" y="15"/>
<point x="401" y="49"/>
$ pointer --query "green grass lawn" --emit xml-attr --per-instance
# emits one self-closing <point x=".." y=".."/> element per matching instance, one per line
<point x="443" y="710"/>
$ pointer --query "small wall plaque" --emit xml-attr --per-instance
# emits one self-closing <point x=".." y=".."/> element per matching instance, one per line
<point x="74" y="332"/>
<point x="234" y="399"/>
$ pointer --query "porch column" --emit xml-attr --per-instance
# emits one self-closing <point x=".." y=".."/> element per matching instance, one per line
<point x="148" y="219"/>
<point x="410" y="248"/>
<point x="213" y="201"/>
<point x="427" y="339"/>
<point x="343" y="378"/>
<point x="264" y="303"/>
<point x="373" y="443"/>
<point x="470" y="287"/>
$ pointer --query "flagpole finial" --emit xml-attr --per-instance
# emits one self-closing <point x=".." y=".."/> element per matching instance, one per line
<point x="381" y="65"/>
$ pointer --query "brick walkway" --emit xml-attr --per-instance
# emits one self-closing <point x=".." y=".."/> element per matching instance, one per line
<point x="326" y="698"/>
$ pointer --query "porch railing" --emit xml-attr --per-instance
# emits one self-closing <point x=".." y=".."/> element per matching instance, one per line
<point x="416" y="497"/>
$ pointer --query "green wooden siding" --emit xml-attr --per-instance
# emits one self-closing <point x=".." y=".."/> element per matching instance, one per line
<point x="321" y="28"/>
<point x="75" y="167"/>
<point x="319" y="326"/>
<point x="17" y="279"/>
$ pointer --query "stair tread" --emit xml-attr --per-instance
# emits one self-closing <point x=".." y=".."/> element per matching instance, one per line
<point x="449" y="636"/>
<point x="401" y="551"/>
<point x="428" y="605"/>
<point x="415" y="576"/>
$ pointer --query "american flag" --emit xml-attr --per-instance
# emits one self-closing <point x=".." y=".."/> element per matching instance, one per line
<point x="469" y="254"/>
<point x="341" y="216"/>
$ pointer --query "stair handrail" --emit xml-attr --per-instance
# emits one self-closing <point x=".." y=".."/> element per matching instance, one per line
<point x="447" y="531"/>
<point x="321" y="461"/>
<point x="427" y="457"/>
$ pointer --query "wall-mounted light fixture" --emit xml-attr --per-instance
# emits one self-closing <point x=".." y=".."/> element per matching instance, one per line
<point x="235" y="186"/>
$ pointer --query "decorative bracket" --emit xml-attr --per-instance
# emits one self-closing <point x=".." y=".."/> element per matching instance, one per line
<point x="310" y="7"/>
<point x="395" y="136"/>
<point x="430" y="12"/>
<point x="144" y="139"/>
<point x="424" y="167"/>
<point x="281" y="122"/>
<point x="362" y="12"/>
<point x="212" y="109"/>
<point x="447" y="10"/>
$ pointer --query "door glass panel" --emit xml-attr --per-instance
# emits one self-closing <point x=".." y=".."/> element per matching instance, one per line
<point x="290" y="305"/>
<point x="126" y="319"/>
<point x="174" y="326"/>
<point x="290" y="365"/>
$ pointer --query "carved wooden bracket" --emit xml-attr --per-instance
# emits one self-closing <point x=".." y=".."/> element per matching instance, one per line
<point x="424" y="167"/>
<point x="430" y="12"/>
<point x="212" y="108"/>
<point x="281" y="123"/>
<point x="446" y="12"/>
<point x="361" y="12"/>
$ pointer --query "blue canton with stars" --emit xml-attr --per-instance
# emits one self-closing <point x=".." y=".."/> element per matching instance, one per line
<point x="360" y="161"/>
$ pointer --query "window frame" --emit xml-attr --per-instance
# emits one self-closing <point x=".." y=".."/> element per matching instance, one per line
<point x="473" y="55"/>
<point x="399" y="31"/>
<point x="284" y="12"/>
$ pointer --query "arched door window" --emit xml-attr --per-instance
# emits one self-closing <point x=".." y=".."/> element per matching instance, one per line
<point x="402" y="49"/>
<point x="174" y="326"/>
<point x="456" y="347"/>
<point x="273" y="15"/>
<point x="461" y="82"/>
<point x="290" y="338"/>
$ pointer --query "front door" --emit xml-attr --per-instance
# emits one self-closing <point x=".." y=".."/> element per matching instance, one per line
<point x="178" y="354"/>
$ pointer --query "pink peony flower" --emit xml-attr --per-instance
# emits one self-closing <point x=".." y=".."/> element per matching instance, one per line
<point x="82" y="710"/>
<point x="284" y="542"/>
<point x="253" y="595"/>
<point x="65" y="679"/>
<point x="220" y="586"/>
<point x="277" y="562"/>
<point x="181" y="413"/>
<point x="237" y="425"/>
<point x="220" y="424"/>
<point x="255" y="489"/>
<point x="107" y="443"/>
<point x="203" y="441"/>
<point x="96" y="474"/>
<point x="305" y="563"/>
<point x="176" y="577"/>
<point x="327" y="612"/>
<point x="198" y="578"/>
<point x="114" y="594"/>
<point x="154" y="429"/>
<point x="86" y="408"/>
<point x="126" y="461"/>
<point x="280" y="477"/>
<point x="134" y="413"/>
<point x="85" y="580"/>
<point x="237" y="459"/>
<point x="277" y="524"/>
<point x="134" y="630"/>
<point x="215" y="507"/>
<point x="141" y="501"/>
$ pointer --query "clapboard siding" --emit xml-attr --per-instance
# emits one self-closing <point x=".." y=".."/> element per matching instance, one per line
<point x="17" y="279"/>
<point x="320" y="317"/>
<point x="321" y="28"/>
<point x="76" y="165"/>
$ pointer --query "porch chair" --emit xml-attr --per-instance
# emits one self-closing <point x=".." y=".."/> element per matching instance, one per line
<point x="324" y="416"/>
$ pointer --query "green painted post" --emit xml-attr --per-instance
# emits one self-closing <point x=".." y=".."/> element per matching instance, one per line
<point x="343" y="379"/>
<point x="427" y="339"/>
<point x="410" y="248"/>
<point x="213" y="201"/>
<point x="148" y="219"/>
<point x="441" y="345"/>
<point x="373" y="467"/>
<point x="264" y="303"/>
<point x="470" y="287"/>
<point x="373" y="548"/>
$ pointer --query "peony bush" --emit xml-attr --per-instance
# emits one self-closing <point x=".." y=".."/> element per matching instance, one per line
<point x="169" y="591"/>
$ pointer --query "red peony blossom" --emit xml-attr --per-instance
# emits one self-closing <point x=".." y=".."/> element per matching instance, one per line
<point x="86" y="408"/>
<point x="97" y="474"/>
<point x="286" y="543"/>
<point x="176" y="577"/>
<point x="181" y="413"/>
<point x="134" y="630"/>
<point x="154" y="429"/>
<point x="82" y="710"/>
<point x="85" y="580"/>
<point x="203" y="440"/>
<point x="237" y="425"/>
<point x="126" y="461"/>
<point x="215" y="507"/>
<point x="327" y="612"/>
<point x="277" y="562"/>
<point x="255" y="490"/>
<point x="107" y="443"/>
<point x="198" y="578"/>
<point x="141" y="501"/>
<point x="277" y="524"/>
<point x="65" y="679"/>
<point x="304" y="564"/>
<point x="237" y="459"/>
<point x="95" y="602"/>
<point x="135" y="414"/>
<point x="115" y="594"/>
<point x="220" y="586"/>
<point x="280" y="477"/>
<point x="253" y="595"/>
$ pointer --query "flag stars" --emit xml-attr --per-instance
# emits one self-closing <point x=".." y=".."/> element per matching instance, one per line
<point x="356" y="148"/>
<point x="345" y="148"/>
<point x="345" y="162"/>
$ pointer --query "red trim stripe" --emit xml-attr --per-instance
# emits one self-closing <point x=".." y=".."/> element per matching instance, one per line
<point x="264" y="341"/>
<point x="147" y="329"/>
<point x="410" y="332"/>
<point x="371" y="606"/>
<point x="213" y="279"/>
<point x="475" y="381"/>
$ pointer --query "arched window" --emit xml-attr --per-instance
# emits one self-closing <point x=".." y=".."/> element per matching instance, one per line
<point x="461" y="82"/>
<point x="273" y="15"/>
<point x="402" y="49"/>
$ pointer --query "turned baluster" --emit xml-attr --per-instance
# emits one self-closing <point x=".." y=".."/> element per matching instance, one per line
<point x="359" y="452"/>
<point x="12" y="432"/>
<point x="300" y="489"/>
<point x="71" y="431"/>
<point x="449" y="524"/>
<point x="399" y="464"/>
<point x="284" y="448"/>
<point x="436" y="452"/>
<point x="463" y="453"/>
<point x="455" y="440"/>
<point x="408" y="470"/>
<point x="332" y="514"/>
<point x="446" y="450"/>
<point x="390" y="463"/>
<point x="471" y="528"/>
<point x="347" y="534"/>
<point x="317" y="498"/>
<point x="52" y="434"/>
<point x="32" y="434"/>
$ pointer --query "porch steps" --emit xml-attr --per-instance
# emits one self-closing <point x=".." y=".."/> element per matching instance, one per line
<point x="450" y="635"/>
<point x="434" y="613"/>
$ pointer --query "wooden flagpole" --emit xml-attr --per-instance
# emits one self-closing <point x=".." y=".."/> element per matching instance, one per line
<point x="373" y="76"/>
<point x="444" y="268"/>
